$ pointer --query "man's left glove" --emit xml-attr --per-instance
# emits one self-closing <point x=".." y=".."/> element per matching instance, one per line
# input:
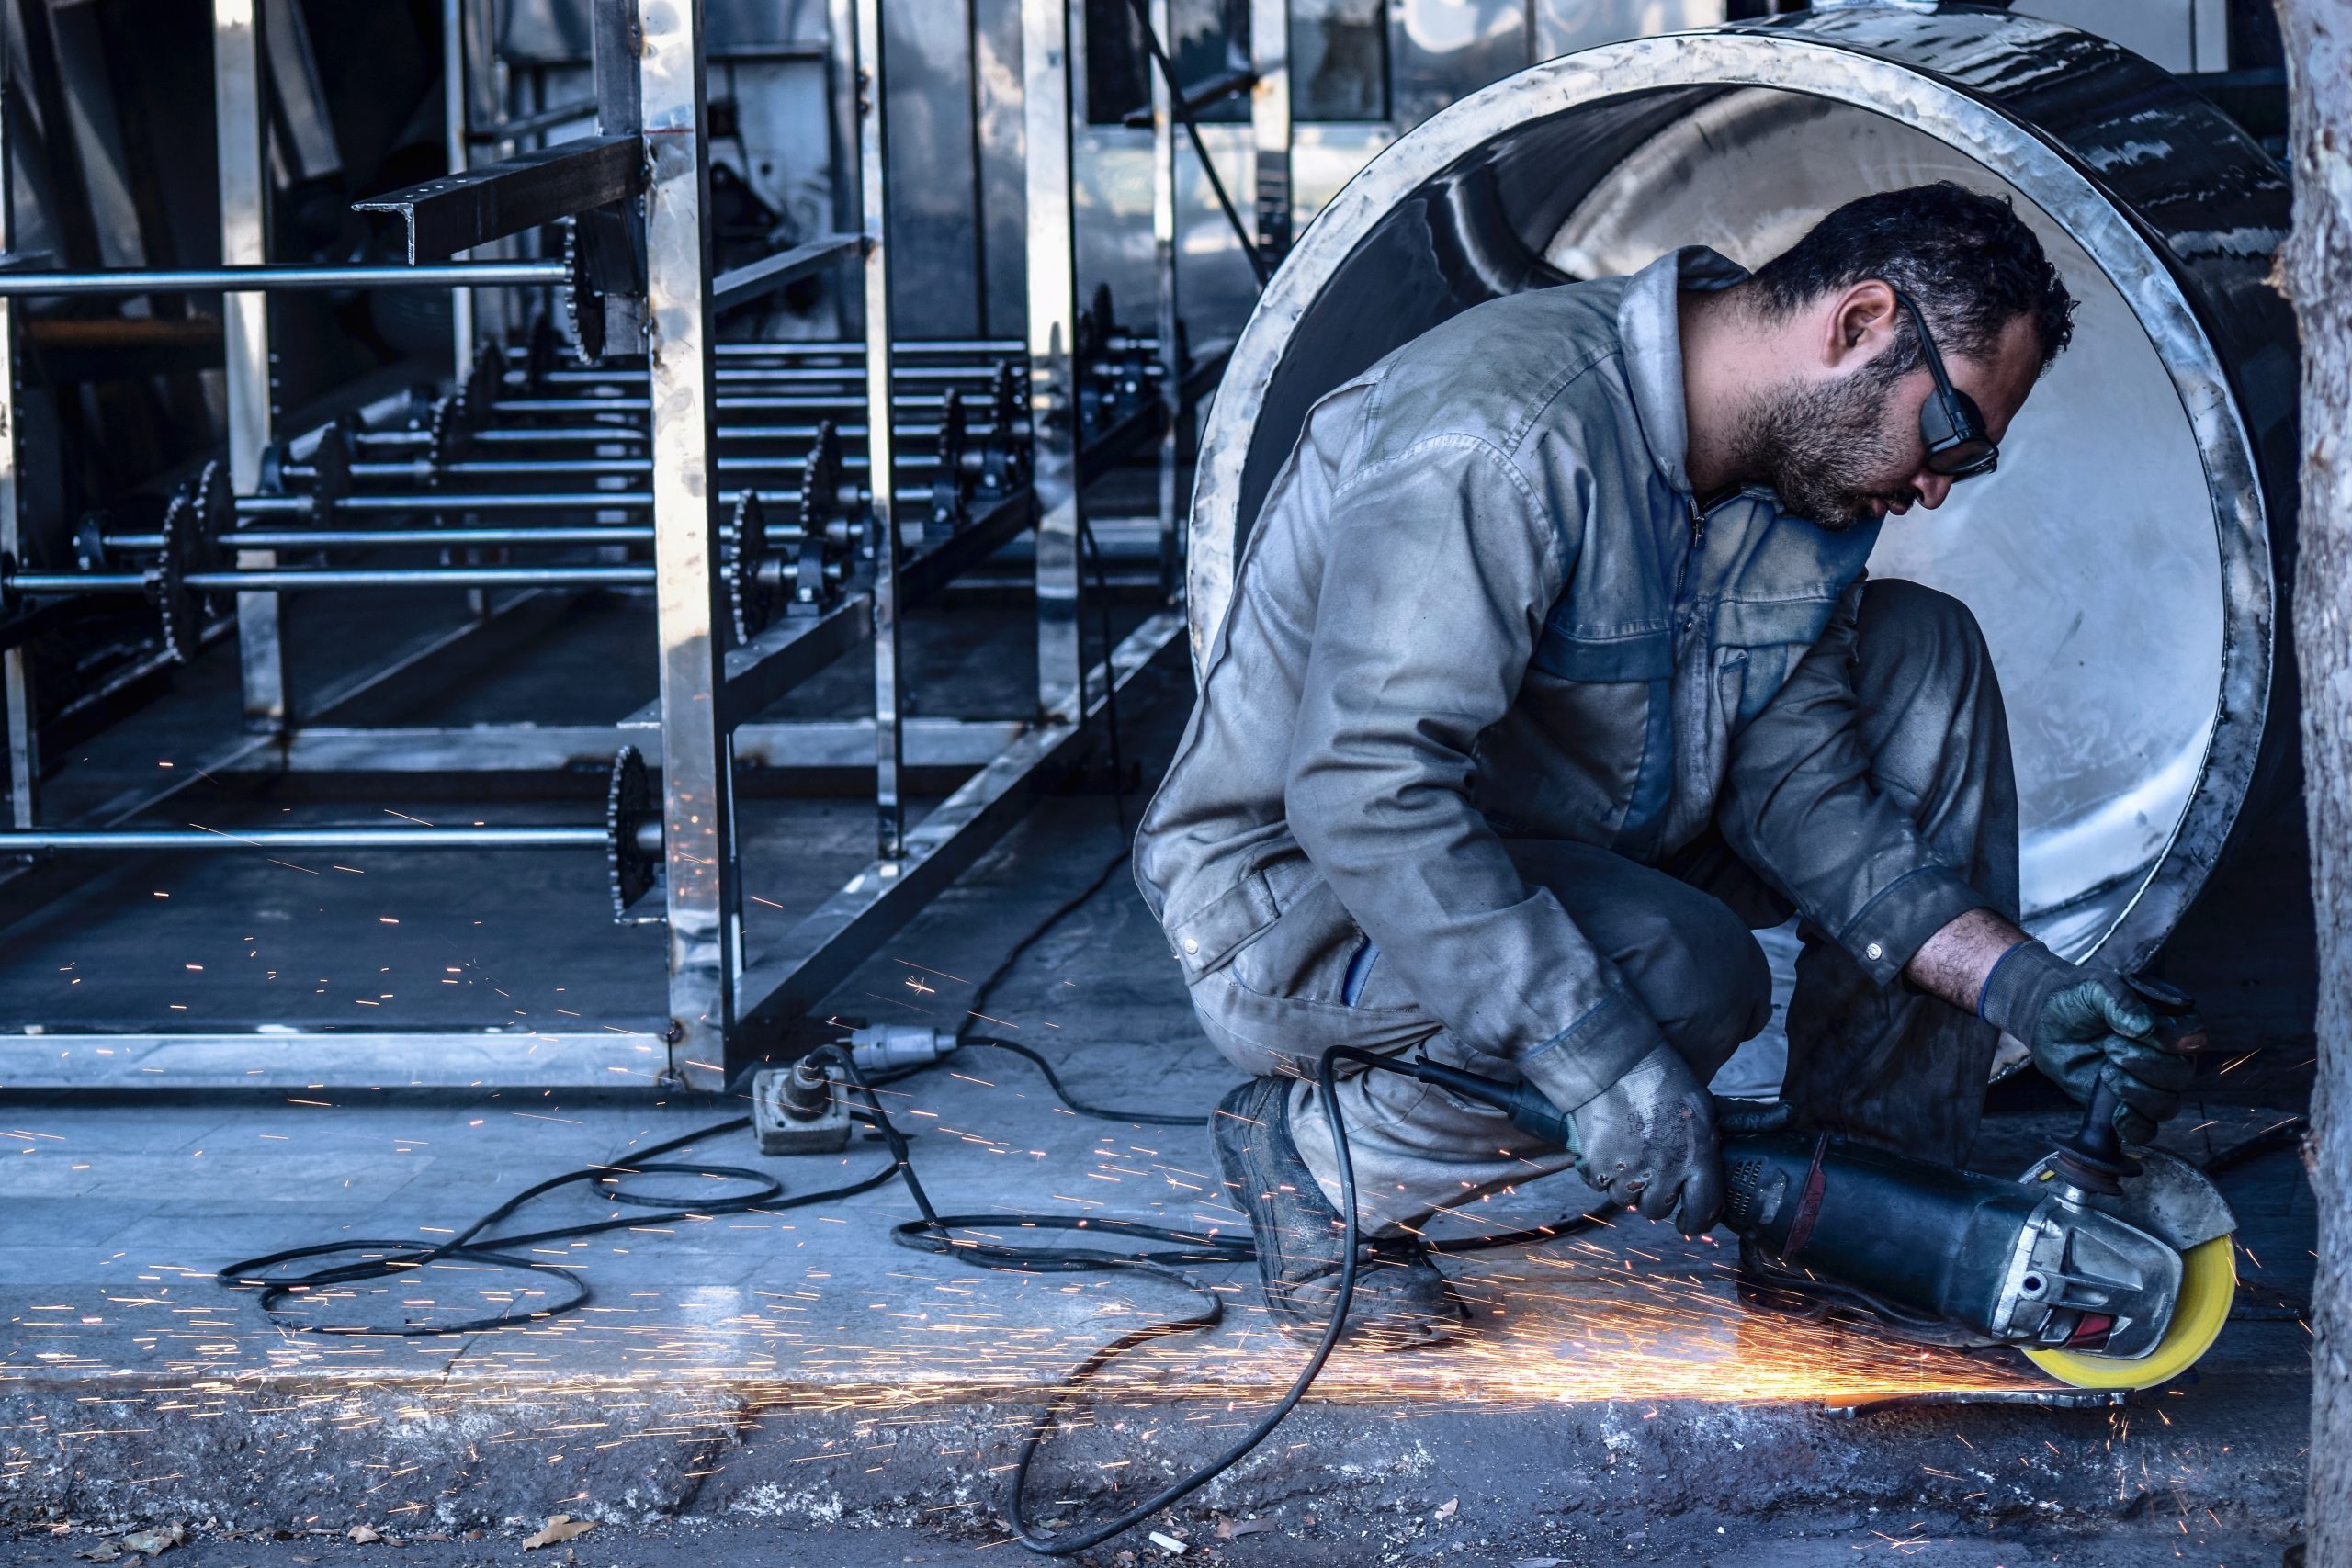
<point x="2087" y="1027"/>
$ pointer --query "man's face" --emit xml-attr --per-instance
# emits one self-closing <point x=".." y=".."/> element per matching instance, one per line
<point x="1843" y="448"/>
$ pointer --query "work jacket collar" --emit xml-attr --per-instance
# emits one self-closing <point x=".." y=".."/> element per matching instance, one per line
<point x="1651" y="332"/>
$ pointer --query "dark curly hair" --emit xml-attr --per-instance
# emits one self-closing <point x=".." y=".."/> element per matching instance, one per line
<point x="1967" y="258"/>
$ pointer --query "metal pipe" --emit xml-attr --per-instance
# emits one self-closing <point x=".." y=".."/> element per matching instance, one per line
<point x="528" y="467"/>
<point x="798" y="402"/>
<point x="37" y="841"/>
<point x="856" y="351"/>
<point x="739" y="373"/>
<point x="272" y="279"/>
<point x="394" y="539"/>
<point x="589" y="435"/>
<point x="521" y="500"/>
<point x="283" y="580"/>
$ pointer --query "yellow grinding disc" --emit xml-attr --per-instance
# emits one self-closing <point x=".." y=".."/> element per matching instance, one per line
<point x="2208" y="1284"/>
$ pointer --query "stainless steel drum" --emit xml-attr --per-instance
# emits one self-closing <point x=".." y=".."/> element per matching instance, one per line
<point x="2126" y="561"/>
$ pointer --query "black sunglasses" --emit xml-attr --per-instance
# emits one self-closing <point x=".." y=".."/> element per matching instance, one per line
<point x="1950" y="424"/>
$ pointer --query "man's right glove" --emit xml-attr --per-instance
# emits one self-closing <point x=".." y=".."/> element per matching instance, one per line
<point x="2087" y="1027"/>
<point x="1648" y="1141"/>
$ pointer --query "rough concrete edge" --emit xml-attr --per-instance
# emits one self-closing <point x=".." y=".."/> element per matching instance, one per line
<point x="423" y="1453"/>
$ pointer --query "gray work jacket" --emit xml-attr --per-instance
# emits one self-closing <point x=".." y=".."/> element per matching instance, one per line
<point x="1480" y="602"/>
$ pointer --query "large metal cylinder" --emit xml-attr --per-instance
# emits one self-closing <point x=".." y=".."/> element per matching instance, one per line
<point x="2127" y="562"/>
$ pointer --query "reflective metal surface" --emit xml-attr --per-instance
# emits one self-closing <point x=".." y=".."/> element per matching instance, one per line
<point x="1167" y="323"/>
<point x="1270" y="113"/>
<point x="1052" y="325"/>
<point x="245" y="329"/>
<point x="698" y="797"/>
<point x="877" y="224"/>
<point x="1563" y="27"/>
<point x="2122" y="562"/>
<point x="1441" y="51"/>
<point x="15" y="663"/>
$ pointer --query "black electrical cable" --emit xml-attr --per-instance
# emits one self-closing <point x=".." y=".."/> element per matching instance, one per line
<point x="993" y="1254"/>
<point x="980" y="1244"/>
<point x="1146" y="1118"/>
<point x="391" y="1257"/>
<point x="1183" y="112"/>
<point x="2279" y="1135"/>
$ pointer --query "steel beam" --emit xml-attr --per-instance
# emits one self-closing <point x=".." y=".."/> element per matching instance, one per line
<point x="873" y="227"/>
<point x="822" y="949"/>
<point x="458" y="211"/>
<point x="826" y="745"/>
<point x="1163" y="257"/>
<point x="1270" y="125"/>
<point x="216" y="841"/>
<point x="333" y="1059"/>
<point x="698" y="807"/>
<point x="257" y="282"/>
<point x="771" y="273"/>
<point x="1053" y="364"/>
<point x="238" y="127"/>
<point x="16" y="695"/>
<point x="455" y="82"/>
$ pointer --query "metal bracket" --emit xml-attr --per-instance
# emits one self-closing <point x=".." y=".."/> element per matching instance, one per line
<point x="456" y="212"/>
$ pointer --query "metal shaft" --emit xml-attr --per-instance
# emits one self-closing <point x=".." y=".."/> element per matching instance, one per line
<point x="382" y="538"/>
<point x="274" y="279"/>
<point x="521" y="500"/>
<point x="282" y="579"/>
<point x="541" y="467"/>
<point x="38" y="841"/>
<point x="740" y="402"/>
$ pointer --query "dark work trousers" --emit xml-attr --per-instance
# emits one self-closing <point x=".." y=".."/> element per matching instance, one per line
<point x="1884" y="1064"/>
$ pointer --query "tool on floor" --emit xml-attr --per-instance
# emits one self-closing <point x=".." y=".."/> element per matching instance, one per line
<point x="2108" y="1271"/>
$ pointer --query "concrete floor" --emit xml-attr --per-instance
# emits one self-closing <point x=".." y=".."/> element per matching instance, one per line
<point x="786" y="1387"/>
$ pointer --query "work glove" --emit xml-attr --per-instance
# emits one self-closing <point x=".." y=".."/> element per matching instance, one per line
<point x="1648" y="1141"/>
<point x="2087" y="1027"/>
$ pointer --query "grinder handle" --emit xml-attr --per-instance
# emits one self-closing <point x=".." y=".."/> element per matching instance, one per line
<point x="2098" y="1138"/>
<point x="2177" y="1028"/>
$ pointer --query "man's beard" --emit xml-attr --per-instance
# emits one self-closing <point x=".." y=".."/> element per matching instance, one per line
<point x="1821" y="446"/>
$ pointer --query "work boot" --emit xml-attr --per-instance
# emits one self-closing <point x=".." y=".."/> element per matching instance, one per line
<point x="1768" y="1285"/>
<point x="1400" y="1300"/>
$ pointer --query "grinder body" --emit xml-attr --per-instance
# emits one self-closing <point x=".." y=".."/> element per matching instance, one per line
<point x="2107" y="1271"/>
<point x="2027" y="1263"/>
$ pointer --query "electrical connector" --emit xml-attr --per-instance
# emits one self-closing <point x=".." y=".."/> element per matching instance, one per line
<point x="886" y="1048"/>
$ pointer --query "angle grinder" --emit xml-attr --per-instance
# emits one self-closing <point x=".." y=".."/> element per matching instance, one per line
<point x="2107" y="1269"/>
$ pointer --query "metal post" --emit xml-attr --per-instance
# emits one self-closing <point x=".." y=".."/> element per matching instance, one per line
<point x="244" y="241"/>
<point x="1052" y="321"/>
<point x="697" y="805"/>
<point x="455" y="99"/>
<point x="1270" y="124"/>
<point x="15" y="669"/>
<point x="842" y="98"/>
<point x="873" y="224"/>
<point x="1163" y="256"/>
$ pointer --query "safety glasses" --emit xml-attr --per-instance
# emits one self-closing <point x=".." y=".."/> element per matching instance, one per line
<point x="1950" y="424"/>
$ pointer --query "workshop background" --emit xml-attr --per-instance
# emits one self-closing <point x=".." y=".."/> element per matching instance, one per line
<point x="450" y="746"/>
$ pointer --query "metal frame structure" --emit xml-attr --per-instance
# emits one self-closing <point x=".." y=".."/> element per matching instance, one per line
<point x="1085" y="396"/>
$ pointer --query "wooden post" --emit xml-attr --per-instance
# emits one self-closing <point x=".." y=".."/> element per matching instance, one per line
<point x="2315" y="271"/>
